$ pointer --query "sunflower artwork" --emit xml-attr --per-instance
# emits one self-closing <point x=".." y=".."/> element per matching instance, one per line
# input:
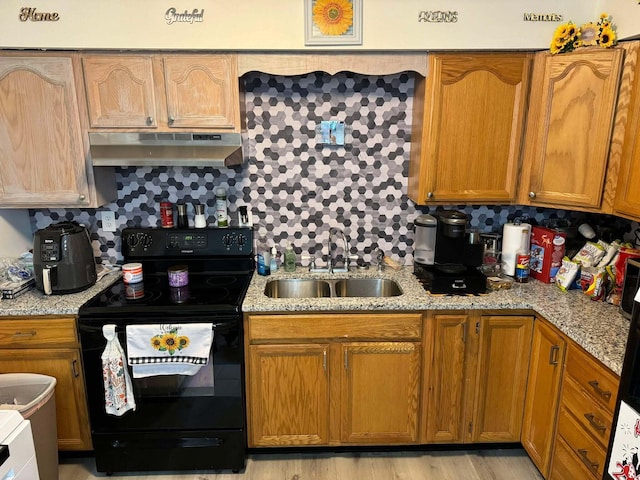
<point x="169" y="341"/>
<point x="569" y="36"/>
<point x="333" y="22"/>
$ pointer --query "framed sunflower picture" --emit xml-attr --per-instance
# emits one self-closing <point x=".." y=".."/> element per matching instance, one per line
<point x="333" y="22"/>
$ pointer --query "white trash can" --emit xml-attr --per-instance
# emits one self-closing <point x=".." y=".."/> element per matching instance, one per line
<point x="32" y="395"/>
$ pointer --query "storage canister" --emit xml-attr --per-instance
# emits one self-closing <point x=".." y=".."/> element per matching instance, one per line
<point x="178" y="275"/>
<point x="132" y="272"/>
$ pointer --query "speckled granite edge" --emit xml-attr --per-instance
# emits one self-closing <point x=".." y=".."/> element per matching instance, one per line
<point x="597" y="327"/>
<point x="35" y="302"/>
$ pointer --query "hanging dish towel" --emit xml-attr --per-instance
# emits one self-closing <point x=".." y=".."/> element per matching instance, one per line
<point x="118" y="391"/>
<point x="168" y="349"/>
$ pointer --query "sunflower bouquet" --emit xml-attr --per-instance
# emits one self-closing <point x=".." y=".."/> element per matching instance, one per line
<point x="568" y="36"/>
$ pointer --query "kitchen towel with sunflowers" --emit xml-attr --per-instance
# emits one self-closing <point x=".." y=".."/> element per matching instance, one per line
<point x="168" y="349"/>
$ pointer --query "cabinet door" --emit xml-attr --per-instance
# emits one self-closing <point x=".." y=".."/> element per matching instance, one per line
<point x="289" y="395"/>
<point x="202" y="91"/>
<point x="627" y="199"/>
<point x="120" y="91"/>
<point x="71" y="408"/>
<point x="469" y="116"/>
<point x="501" y="377"/>
<point x="379" y="388"/>
<point x="41" y="142"/>
<point x="543" y="394"/>
<point x="570" y="120"/>
<point x="445" y="378"/>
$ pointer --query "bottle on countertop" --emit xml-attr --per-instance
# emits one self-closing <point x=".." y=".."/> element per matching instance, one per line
<point x="522" y="266"/>
<point x="222" y="215"/>
<point x="289" y="259"/>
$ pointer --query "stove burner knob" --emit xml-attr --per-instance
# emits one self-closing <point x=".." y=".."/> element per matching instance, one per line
<point x="146" y="240"/>
<point x="242" y="239"/>
<point x="132" y="240"/>
<point x="227" y="240"/>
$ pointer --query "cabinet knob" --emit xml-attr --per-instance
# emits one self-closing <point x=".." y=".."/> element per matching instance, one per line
<point x="149" y="120"/>
<point x="172" y="119"/>
<point x="82" y="197"/>
<point x="429" y="194"/>
<point x="532" y="195"/>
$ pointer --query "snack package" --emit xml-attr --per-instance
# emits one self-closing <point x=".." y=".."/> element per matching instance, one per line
<point x="567" y="274"/>
<point x="590" y="254"/>
<point x="592" y="282"/>
<point x="611" y="251"/>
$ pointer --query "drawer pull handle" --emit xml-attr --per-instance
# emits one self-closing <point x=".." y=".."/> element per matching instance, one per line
<point x="74" y="368"/>
<point x="595" y="422"/>
<point x="593" y="466"/>
<point x="596" y="386"/>
<point x="553" y="355"/>
<point x="32" y="333"/>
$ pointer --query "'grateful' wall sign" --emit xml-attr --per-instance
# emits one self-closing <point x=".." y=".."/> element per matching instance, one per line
<point x="172" y="16"/>
<point x="30" y="14"/>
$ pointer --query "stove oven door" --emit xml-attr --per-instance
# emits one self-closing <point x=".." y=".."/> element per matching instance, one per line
<point x="180" y="421"/>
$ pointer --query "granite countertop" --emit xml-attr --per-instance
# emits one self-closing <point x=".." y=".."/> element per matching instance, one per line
<point x="34" y="302"/>
<point x="596" y="326"/>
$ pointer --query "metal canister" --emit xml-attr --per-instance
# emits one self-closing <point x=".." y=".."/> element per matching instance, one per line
<point x="166" y="214"/>
<point x="522" y="267"/>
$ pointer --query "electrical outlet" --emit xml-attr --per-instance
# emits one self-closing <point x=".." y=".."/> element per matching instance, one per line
<point x="109" y="221"/>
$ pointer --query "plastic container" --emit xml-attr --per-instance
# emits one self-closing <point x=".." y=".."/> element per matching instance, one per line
<point x="222" y="216"/>
<point x="178" y="275"/>
<point x="289" y="259"/>
<point x="32" y="395"/>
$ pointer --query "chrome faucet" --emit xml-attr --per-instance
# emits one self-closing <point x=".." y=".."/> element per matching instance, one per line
<point x="331" y="260"/>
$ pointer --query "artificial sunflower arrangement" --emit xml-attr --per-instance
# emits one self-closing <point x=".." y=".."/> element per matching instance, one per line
<point x="568" y="36"/>
<point x="333" y="17"/>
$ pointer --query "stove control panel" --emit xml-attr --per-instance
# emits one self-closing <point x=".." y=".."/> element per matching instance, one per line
<point x="155" y="242"/>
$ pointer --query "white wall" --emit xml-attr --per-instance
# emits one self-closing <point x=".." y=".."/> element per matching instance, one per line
<point x="279" y="25"/>
<point x="16" y="236"/>
<point x="626" y="16"/>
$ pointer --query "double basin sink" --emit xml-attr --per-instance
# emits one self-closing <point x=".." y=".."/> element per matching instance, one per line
<point x="324" y="288"/>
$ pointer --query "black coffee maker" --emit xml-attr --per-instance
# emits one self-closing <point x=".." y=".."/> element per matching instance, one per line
<point x="458" y="254"/>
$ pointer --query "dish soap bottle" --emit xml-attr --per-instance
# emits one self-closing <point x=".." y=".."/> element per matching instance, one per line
<point x="289" y="259"/>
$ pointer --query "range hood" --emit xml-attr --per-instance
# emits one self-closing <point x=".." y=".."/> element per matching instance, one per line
<point x="165" y="149"/>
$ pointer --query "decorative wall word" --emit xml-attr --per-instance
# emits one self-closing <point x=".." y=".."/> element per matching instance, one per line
<point x="29" y="13"/>
<point x="438" y="16"/>
<point x="172" y="16"/>
<point x="543" y="17"/>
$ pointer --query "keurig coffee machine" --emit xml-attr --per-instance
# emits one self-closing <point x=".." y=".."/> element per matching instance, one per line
<point x="456" y="259"/>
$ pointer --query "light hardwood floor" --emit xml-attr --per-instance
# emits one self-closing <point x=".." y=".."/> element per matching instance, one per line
<point x="446" y="465"/>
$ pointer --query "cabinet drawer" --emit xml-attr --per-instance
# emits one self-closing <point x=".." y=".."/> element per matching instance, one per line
<point x="341" y="326"/>
<point x="566" y="466"/>
<point x="584" y="449"/>
<point x="46" y="332"/>
<point x="592" y="377"/>
<point x="590" y="414"/>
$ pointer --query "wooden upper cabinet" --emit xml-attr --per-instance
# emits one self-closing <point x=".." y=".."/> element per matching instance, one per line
<point x="120" y="91"/>
<point x="162" y="92"/>
<point x="202" y="91"/>
<point x="468" y="119"/>
<point x="573" y="99"/>
<point x="43" y="147"/>
<point x="627" y="198"/>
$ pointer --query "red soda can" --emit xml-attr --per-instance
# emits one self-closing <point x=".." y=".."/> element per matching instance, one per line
<point x="166" y="214"/>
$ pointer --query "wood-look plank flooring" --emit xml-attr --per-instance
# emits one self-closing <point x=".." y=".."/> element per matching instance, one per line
<point x="433" y="465"/>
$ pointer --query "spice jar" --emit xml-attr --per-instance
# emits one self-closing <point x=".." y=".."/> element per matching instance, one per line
<point x="178" y="275"/>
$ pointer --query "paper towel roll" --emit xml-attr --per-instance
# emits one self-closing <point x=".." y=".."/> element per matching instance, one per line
<point x="514" y="238"/>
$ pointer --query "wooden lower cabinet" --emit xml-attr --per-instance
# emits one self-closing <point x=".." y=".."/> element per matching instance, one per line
<point x="320" y="379"/>
<point x="474" y="377"/>
<point x="543" y="393"/>
<point x="50" y="347"/>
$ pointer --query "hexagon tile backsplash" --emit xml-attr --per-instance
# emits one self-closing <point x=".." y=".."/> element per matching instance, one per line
<point x="297" y="187"/>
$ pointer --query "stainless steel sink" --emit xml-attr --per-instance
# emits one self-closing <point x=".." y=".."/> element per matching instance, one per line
<point x="346" y="287"/>
<point x="367" y="287"/>
<point x="297" y="288"/>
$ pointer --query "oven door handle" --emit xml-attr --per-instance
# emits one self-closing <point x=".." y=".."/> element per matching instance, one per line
<point x="190" y="442"/>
